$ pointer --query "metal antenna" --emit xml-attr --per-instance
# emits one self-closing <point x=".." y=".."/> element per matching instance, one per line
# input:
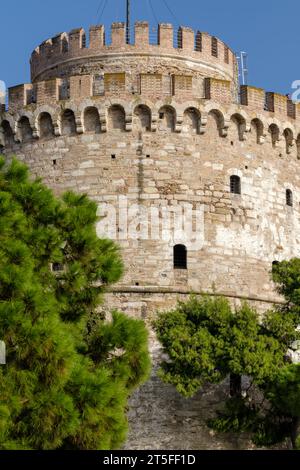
<point x="243" y="68"/>
<point x="127" y="21"/>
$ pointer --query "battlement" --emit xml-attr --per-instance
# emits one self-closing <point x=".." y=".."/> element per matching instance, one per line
<point x="183" y="42"/>
<point x="79" y="87"/>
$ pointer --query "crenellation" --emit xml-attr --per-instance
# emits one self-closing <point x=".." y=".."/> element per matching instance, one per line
<point x="291" y="109"/>
<point x="97" y="37"/>
<point x="57" y="44"/>
<point x="19" y="96"/>
<point x="47" y="91"/>
<point x="76" y="40"/>
<point x="186" y="39"/>
<point x="218" y="90"/>
<point x="252" y="97"/>
<point x="165" y="35"/>
<point x="141" y="33"/>
<point x="118" y="35"/>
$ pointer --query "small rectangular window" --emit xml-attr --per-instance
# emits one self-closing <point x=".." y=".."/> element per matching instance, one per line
<point x="180" y="257"/>
<point x="235" y="184"/>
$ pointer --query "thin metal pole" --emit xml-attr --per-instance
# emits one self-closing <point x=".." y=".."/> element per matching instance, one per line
<point x="127" y="21"/>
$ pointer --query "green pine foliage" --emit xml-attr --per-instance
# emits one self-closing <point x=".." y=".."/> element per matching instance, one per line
<point x="69" y="371"/>
<point x="205" y="341"/>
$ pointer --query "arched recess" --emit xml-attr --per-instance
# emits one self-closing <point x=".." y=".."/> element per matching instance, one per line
<point x="238" y="126"/>
<point x="298" y="146"/>
<point x="289" y="139"/>
<point x="191" y="121"/>
<point x="167" y="119"/>
<point x="116" y="118"/>
<point x="46" y="129"/>
<point x="24" y="129"/>
<point x="91" y="120"/>
<point x="215" y="121"/>
<point x="257" y="129"/>
<point x="68" y="123"/>
<point x="274" y="133"/>
<point x="142" y="118"/>
<point x="8" y="134"/>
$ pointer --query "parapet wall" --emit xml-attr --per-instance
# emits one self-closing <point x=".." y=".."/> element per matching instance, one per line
<point x="266" y="105"/>
<point x="183" y="43"/>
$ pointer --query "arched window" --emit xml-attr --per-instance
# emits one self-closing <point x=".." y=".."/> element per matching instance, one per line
<point x="180" y="257"/>
<point x="289" y="197"/>
<point x="235" y="184"/>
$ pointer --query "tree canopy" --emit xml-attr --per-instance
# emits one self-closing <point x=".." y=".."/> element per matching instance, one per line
<point x="70" y="370"/>
<point x="206" y="340"/>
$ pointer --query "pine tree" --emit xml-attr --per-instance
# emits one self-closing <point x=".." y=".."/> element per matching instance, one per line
<point x="69" y="370"/>
<point x="206" y="341"/>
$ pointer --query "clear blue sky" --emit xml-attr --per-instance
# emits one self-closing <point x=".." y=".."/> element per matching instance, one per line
<point x="267" y="29"/>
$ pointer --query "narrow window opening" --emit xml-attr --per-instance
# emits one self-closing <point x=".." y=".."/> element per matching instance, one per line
<point x="235" y="184"/>
<point x="180" y="257"/>
<point x="289" y="198"/>
<point x="54" y="162"/>
<point x="113" y="157"/>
